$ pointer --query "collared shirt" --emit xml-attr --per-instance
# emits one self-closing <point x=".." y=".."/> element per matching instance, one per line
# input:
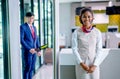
<point x="32" y="30"/>
<point x="30" y="26"/>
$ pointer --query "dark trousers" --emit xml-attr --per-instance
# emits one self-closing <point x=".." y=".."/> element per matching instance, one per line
<point x="29" y="65"/>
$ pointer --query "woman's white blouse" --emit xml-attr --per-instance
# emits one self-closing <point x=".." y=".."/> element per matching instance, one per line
<point x="99" y="55"/>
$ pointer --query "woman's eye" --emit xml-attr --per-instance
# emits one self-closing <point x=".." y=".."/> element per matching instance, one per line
<point x="86" y="16"/>
<point x="89" y="17"/>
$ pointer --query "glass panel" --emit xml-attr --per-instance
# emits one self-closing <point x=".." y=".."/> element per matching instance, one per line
<point x="47" y="22"/>
<point x="47" y="38"/>
<point x="27" y="6"/>
<point x="37" y="26"/>
<point x="38" y="58"/>
<point x="36" y="23"/>
<point x="36" y="10"/>
<point x="1" y="47"/>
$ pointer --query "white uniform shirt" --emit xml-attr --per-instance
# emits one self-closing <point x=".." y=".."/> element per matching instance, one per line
<point x="88" y="46"/>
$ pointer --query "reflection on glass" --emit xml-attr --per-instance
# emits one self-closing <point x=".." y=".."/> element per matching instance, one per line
<point x="1" y="48"/>
<point x="36" y="23"/>
<point x="46" y="33"/>
<point x="46" y="37"/>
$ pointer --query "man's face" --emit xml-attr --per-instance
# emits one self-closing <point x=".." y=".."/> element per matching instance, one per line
<point x="30" y="19"/>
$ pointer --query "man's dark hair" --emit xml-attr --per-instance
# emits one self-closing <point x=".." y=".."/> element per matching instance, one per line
<point x="29" y="14"/>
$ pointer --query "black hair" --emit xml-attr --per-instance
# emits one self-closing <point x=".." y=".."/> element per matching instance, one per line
<point x="29" y="14"/>
<point x="83" y="10"/>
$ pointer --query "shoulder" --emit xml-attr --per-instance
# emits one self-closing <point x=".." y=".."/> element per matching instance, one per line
<point x="78" y="30"/>
<point x="97" y="30"/>
<point x="23" y="26"/>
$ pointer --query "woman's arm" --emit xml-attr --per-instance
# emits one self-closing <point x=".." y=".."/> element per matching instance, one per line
<point x="99" y="53"/>
<point x="75" y="51"/>
<point x="75" y="47"/>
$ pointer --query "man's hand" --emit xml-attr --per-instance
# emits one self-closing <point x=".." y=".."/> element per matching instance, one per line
<point x="92" y="69"/>
<point x="39" y="53"/>
<point x="32" y="51"/>
<point x="84" y="66"/>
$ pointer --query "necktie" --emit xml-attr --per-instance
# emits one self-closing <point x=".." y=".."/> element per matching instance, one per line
<point x="32" y="31"/>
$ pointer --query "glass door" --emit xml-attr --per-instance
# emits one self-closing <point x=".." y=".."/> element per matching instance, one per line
<point x="1" y="47"/>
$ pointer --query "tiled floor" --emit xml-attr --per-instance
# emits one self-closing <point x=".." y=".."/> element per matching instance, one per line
<point x="45" y="72"/>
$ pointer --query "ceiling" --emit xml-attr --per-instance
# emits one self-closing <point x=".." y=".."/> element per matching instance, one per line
<point x="70" y="1"/>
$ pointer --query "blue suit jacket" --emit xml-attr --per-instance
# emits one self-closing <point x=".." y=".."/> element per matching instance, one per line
<point x="26" y="38"/>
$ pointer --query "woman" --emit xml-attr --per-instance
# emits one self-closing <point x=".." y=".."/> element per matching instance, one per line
<point x="87" y="47"/>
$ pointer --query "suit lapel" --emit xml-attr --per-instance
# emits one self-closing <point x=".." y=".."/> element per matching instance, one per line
<point x="29" y="31"/>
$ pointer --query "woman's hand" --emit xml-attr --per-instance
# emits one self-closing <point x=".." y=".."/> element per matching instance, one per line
<point x="92" y="69"/>
<point x="84" y="66"/>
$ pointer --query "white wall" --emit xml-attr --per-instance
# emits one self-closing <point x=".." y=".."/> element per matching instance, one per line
<point x="64" y="22"/>
<point x="16" y="66"/>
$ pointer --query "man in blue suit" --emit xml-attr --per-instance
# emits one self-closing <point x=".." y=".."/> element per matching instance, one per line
<point x="29" y="42"/>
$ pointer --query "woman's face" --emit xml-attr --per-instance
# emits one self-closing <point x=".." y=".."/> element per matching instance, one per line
<point x="87" y="18"/>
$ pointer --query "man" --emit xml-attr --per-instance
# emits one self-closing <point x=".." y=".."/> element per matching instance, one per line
<point x="29" y="42"/>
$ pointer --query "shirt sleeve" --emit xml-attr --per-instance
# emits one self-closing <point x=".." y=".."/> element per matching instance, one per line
<point x="75" y="47"/>
<point x="100" y="56"/>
